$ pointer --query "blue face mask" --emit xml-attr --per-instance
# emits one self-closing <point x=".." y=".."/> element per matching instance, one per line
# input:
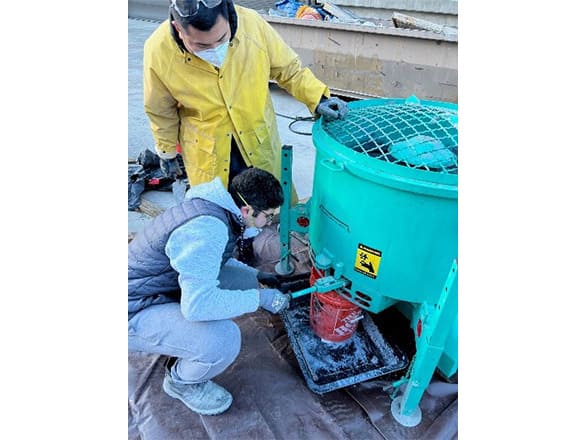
<point x="214" y="56"/>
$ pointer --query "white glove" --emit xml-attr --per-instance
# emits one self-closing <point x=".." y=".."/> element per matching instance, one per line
<point x="273" y="300"/>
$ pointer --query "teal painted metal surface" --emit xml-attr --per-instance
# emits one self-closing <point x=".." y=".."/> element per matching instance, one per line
<point x="390" y="229"/>
<point x="321" y="285"/>
<point x="384" y="218"/>
<point x="284" y="266"/>
<point x="292" y="218"/>
<point x="384" y="224"/>
<point x="433" y="329"/>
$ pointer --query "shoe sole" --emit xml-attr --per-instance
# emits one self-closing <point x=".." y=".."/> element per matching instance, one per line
<point x="203" y="412"/>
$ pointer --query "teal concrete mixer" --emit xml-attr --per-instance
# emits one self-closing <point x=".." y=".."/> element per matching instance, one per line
<point x="382" y="223"/>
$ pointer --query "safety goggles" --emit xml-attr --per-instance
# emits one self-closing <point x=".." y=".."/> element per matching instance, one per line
<point x="269" y="217"/>
<point x="189" y="8"/>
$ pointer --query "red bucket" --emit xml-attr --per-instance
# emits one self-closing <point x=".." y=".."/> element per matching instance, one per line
<point x="332" y="317"/>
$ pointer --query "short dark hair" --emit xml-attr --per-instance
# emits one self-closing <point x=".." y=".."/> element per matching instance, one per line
<point x="258" y="187"/>
<point x="205" y="18"/>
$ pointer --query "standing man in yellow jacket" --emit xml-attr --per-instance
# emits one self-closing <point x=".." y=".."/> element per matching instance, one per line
<point x="206" y="87"/>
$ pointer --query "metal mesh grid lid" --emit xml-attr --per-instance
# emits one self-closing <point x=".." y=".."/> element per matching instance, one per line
<point x="402" y="132"/>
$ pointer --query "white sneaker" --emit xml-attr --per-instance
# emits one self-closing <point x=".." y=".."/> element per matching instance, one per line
<point x="206" y="398"/>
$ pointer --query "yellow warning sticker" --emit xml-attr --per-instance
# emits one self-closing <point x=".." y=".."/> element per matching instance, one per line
<point x="367" y="260"/>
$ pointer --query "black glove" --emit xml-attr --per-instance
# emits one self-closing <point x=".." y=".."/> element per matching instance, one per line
<point x="273" y="300"/>
<point x="268" y="279"/>
<point x="285" y="283"/>
<point x="170" y="168"/>
<point x="332" y="108"/>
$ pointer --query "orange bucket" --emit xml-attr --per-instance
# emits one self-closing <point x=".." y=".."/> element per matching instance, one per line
<point x="332" y="317"/>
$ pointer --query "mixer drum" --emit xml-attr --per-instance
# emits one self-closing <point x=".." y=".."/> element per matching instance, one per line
<point x="384" y="207"/>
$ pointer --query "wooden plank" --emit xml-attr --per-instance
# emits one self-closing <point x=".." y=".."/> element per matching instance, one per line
<point x="409" y="22"/>
<point x="149" y="208"/>
<point x="340" y="13"/>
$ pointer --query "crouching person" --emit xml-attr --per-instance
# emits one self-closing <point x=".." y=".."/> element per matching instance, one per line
<point x="184" y="287"/>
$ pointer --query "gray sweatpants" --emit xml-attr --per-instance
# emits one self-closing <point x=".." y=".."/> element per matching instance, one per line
<point x="204" y="349"/>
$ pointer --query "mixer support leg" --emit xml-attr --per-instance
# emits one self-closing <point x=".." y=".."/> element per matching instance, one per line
<point x="430" y="347"/>
<point x="284" y="266"/>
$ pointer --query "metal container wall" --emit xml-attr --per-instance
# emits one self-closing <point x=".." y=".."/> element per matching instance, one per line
<point x="391" y="230"/>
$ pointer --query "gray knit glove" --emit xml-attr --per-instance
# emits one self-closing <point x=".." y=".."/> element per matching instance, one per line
<point x="332" y="108"/>
<point x="273" y="300"/>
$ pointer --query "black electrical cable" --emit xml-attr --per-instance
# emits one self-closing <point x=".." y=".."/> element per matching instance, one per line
<point x="297" y="119"/>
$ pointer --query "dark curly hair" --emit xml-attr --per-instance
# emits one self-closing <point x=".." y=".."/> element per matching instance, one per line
<point x="258" y="187"/>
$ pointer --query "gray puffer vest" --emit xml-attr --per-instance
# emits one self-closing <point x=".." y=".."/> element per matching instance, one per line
<point x="151" y="279"/>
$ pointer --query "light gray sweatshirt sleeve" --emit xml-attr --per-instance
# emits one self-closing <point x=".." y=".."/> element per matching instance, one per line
<point x="195" y="250"/>
<point x="239" y="264"/>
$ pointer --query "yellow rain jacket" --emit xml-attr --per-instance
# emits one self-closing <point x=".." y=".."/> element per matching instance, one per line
<point x="190" y="102"/>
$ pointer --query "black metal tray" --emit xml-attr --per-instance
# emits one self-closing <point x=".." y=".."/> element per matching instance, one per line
<point x="327" y="366"/>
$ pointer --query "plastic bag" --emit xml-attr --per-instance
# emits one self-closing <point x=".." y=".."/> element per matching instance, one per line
<point x="146" y="174"/>
<point x="289" y="7"/>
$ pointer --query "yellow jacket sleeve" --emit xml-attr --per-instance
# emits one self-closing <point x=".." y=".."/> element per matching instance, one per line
<point x="160" y="107"/>
<point x="287" y="71"/>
